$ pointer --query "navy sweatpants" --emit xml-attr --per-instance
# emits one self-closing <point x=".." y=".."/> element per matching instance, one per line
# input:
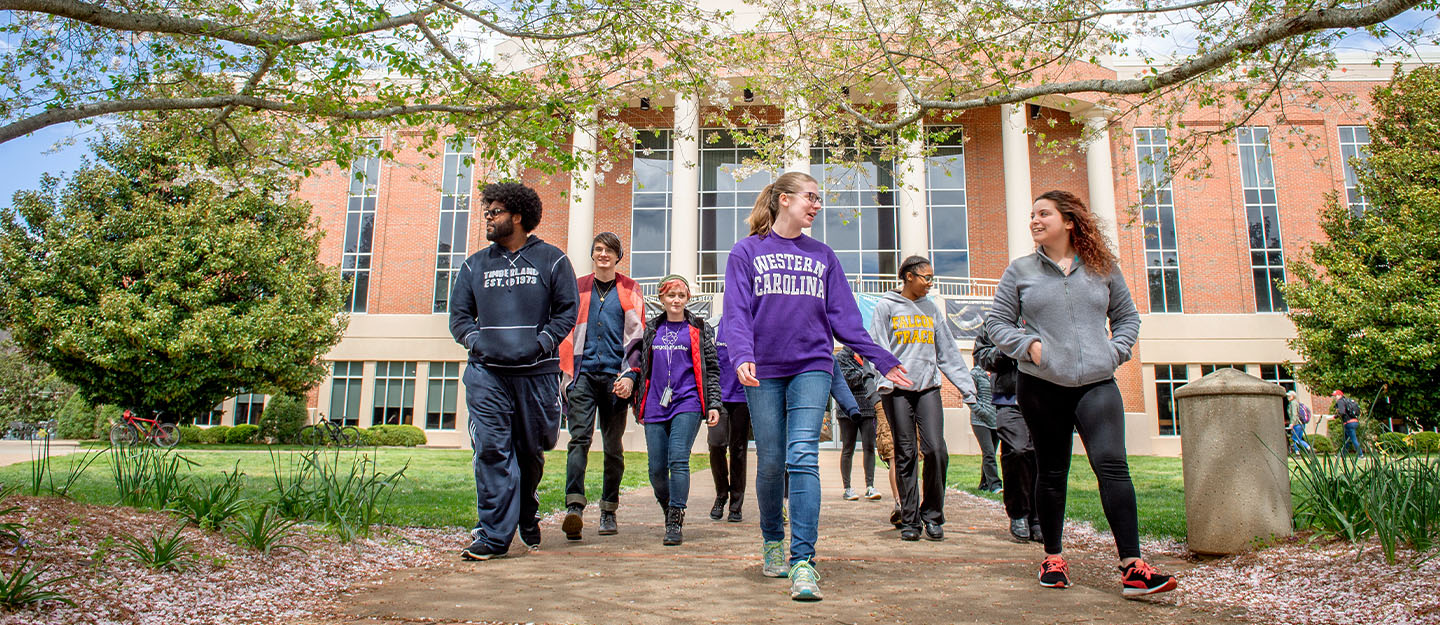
<point x="514" y="420"/>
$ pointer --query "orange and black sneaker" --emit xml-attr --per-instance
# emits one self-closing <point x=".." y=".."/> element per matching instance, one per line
<point x="1140" y="579"/>
<point x="1054" y="573"/>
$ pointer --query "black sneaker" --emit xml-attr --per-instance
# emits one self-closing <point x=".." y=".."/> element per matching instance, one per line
<point x="607" y="523"/>
<point x="1054" y="573"/>
<point x="478" y="550"/>
<point x="1020" y="530"/>
<point x="573" y="523"/>
<point x="530" y="536"/>
<point x="910" y="533"/>
<point x="933" y="531"/>
<point x="896" y="519"/>
<point x="1036" y="534"/>
<point x="1140" y="579"/>
<point x="717" y="511"/>
<point x="735" y="517"/>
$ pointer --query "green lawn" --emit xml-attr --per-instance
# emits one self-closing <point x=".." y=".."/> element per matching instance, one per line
<point x="439" y="489"/>
<point x="1159" y="492"/>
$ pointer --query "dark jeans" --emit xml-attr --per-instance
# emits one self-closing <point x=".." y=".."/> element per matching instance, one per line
<point x="988" y="438"/>
<point x="731" y="435"/>
<point x="1097" y="412"/>
<point x="513" y="421"/>
<point x="589" y="396"/>
<point x="1017" y="463"/>
<point x="919" y="414"/>
<point x="863" y="429"/>
<point x="668" y="443"/>
<point x="1351" y="438"/>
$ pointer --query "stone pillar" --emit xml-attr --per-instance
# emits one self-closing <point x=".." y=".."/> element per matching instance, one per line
<point x="1100" y="173"/>
<point x="685" y="190"/>
<point x="582" y="197"/>
<point x="796" y="137"/>
<point x="914" y="222"/>
<point x="1233" y="449"/>
<point x="1015" y="148"/>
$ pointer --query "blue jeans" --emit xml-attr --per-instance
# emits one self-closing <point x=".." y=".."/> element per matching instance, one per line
<point x="1351" y="438"/>
<point x="785" y="415"/>
<point x="668" y="444"/>
<point x="1297" y="438"/>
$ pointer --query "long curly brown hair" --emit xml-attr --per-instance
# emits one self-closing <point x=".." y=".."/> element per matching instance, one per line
<point x="1087" y="239"/>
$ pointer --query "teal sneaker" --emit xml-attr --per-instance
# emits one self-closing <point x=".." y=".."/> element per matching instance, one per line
<point x="804" y="582"/>
<point x="773" y="554"/>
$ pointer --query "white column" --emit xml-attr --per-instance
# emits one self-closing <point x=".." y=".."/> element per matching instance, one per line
<point x="1015" y="148"/>
<point x="582" y="196"/>
<point x="1100" y="173"/>
<point x="685" y="190"/>
<point x="914" y="220"/>
<point x="797" y="140"/>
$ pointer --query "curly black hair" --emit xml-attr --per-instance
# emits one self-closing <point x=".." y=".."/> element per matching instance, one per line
<point x="516" y="198"/>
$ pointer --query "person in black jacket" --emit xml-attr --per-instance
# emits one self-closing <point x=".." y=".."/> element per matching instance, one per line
<point x="675" y="377"/>
<point x="512" y="304"/>
<point x="1017" y="450"/>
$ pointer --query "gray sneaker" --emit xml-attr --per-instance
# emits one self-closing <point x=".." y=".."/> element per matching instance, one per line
<point x="773" y="556"/>
<point x="804" y="582"/>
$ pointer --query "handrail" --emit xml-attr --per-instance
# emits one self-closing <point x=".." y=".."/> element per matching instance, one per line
<point x="945" y="286"/>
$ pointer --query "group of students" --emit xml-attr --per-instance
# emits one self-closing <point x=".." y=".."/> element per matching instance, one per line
<point x="1062" y="319"/>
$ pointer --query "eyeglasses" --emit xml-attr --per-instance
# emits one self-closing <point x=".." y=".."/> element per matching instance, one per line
<point x="812" y="196"/>
<point x="490" y="213"/>
<point x="929" y="278"/>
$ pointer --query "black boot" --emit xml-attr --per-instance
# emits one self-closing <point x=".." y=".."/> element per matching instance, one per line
<point x="674" y="520"/>
<point x="718" y="510"/>
<point x="735" y="503"/>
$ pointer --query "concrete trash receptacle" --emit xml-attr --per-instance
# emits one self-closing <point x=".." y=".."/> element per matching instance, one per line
<point x="1233" y="446"/>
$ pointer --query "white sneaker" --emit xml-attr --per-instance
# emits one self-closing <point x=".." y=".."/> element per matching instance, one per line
<point x="850" y="495"/>
<point x="872" y="494"/>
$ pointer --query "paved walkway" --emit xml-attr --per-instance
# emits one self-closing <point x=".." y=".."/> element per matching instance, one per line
<point x="14" y="452"/>
<point x="976" y="575"/>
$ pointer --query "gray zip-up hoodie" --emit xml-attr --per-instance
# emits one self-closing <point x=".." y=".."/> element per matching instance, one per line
<point x="917" y="334"/>
<point x="1067" y="314"/>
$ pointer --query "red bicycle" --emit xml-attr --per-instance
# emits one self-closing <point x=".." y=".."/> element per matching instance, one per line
<point x="135" y="429"/>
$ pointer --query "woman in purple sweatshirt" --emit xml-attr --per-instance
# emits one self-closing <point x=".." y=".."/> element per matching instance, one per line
<point x="786" y="302"/>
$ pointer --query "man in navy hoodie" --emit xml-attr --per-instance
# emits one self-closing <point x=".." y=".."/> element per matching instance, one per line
<point x="512" y="305"/>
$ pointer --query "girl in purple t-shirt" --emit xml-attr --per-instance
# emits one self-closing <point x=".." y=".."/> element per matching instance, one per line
<point x="675" y="377"/>
<point x="786" y="302"/>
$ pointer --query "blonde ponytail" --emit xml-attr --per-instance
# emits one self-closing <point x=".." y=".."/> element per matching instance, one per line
<point x="767" y="206"/>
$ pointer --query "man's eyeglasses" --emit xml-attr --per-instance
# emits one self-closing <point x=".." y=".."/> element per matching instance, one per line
<point x="490" y="213"/>
<point x="812" y="196"/>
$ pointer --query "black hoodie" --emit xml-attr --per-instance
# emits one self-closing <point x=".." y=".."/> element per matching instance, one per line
<point x="512" y="310"/>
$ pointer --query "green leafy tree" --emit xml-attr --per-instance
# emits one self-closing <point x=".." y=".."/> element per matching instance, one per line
<point x="1366" y="302"/>
<point x="148" y="284"/>
<point x="29" y="390"/>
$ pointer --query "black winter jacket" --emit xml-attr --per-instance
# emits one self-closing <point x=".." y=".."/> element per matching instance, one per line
<point x="991" y="359"/>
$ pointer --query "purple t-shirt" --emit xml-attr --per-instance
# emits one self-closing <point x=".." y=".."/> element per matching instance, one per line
<point x="786" y="302"/>
<point x="670" y="364"/>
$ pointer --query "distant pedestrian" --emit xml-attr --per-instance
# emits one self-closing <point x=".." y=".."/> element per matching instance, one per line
<point x="1348" y="412"/>
<point x="1017" y="449"/>
<point x="1065" y="314"/>
<point x="1298" y="415"/>
<point x="512" y="304"/>
<point x="861" y="428"/>
<point x="982" y="423"/>
<point x="674" y="374"/>
<point x="731" y="437"/>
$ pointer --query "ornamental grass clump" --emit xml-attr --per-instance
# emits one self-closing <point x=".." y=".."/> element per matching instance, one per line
<point x="1394" y="499"/>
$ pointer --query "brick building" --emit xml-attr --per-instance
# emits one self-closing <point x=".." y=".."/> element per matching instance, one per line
<point x="1199" y="253"/>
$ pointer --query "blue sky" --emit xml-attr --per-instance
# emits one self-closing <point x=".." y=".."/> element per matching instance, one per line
<point x="24" y="160"/>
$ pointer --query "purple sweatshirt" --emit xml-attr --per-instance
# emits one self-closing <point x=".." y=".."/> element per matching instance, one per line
<point x="730" y="390"/>
<point x="786" y="302"/>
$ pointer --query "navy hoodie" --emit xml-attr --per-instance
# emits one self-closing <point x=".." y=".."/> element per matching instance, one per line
<point x="512" y="310"/>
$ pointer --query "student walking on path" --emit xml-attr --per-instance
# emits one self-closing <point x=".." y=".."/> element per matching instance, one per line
<point x="1065" y="314"/>
<point x="674" y="370"/>
<point x="858" y="428"/>
<point x="786" y="302"/>
<point x="1297" y="415"/>
<point x="512" y="304"/>
<point x="982" y="423"/>
<point x="1017" y="450"/>
<point x="611" y="319"/>
<point x="1347" y="411"/>
<point x="911" y="326"/>
<point x="729" y="441"/>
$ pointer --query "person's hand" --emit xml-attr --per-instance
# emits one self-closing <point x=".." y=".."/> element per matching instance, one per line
<point x="712" y="418"/>
<point x="746" y="374"/>
<point x="623" y="387"/>
<point x="1035" y="352"/>
<point x="897" y="375"/>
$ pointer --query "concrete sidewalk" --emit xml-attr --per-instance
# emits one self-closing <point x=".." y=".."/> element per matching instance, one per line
<point x="14" y="452"/>
<point x="868" y="575"/>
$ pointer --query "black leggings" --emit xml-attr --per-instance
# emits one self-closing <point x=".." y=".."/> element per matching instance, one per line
<point x="1097" y="412"/>
<point x="732" y="435"/>
<point x="850" y="429"/>
<point x="919" y="414"/>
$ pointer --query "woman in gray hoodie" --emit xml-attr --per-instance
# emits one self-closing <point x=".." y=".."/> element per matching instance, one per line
<point x="911" y="326"/>
<point x="1065" y="315"/>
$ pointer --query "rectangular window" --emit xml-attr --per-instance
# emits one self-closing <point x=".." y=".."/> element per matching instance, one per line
<point x="1167" y="379"/>
<point x="860" y="217"/>
<point x="1209" y="369"/>
<point x="728" y="191"/>
<point x="394" y="393"/>
<point x="355" y="261"/>
<point x="1157" y="203"/>
<point x="945" y="194"/>
<point x="1354" y="150"/>
<point x="1262" y="216"/>
<point x="1278" y="374"/>
<point x="444" y="389"/>
<point x="248" y="407"/>
<point x="345" y="392"/>
<point x="214" y="417"/>
<point x="650" y="202"/>
<point x="456" y="186"/>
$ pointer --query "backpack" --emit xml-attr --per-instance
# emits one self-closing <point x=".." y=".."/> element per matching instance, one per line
<point x="1304" y="413"/>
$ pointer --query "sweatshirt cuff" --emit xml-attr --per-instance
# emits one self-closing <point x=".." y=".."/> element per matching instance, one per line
<point x="1024" y="350"/>
<point x="547" y="343"/>
<point x="469" y="340"/>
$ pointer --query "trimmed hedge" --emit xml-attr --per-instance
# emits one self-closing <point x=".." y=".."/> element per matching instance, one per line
<point x="242" y="434"/>
<point x="282" y="419"/>
<point x="191" y="434"/>
<point x="1393" y="443"/>
<point x="1320" y="443"/>
<point x="215" y="434"/>
<point x="398" y="435"/>
<point x="1425" y="442"/>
